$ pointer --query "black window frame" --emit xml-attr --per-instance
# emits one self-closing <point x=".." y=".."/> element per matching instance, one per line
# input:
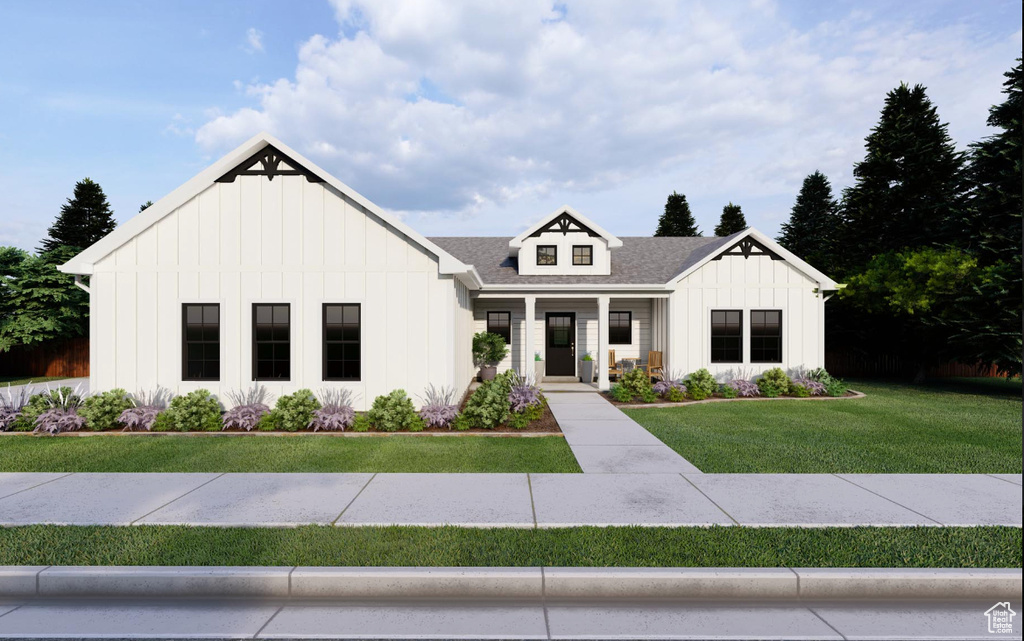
<point x="737" y="336"/>
<point x="204" y="341"/>
<point x="505" y="333"/>
<point x="762" y="338"/>
<point x="256" y="342"/>
<point x="554" y="255"/>
<point x="589" y="255"/>
<point x="326" y="342"/>
<point x="613" y="338"/>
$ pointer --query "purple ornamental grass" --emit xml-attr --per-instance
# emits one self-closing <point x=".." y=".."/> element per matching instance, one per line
<point x="661" y="388"/>
<point x="336" y="411"/>
<point x="11" y="405"/>
<point x="56" y="420"/>
<point x="138" y="419"/>
<point x="744" y="387"/>
<point x="439" y="407"/>
<point x="813" y="386"/>
<point x="522" y="393"/>
<point x="244" y="417"/>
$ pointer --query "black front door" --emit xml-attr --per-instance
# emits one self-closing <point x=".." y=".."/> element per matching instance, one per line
<point x="560" y="348"/>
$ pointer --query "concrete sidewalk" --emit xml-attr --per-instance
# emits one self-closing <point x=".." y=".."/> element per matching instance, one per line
<point x="606" y="441"/>
<point x="513" y="500"/>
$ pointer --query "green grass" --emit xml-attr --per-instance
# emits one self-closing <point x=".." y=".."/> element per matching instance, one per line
<point x="306" y="453"/>
<point x="21" y="380"/>
<point x="955" y="426"/>
<point x="451" y="546"/>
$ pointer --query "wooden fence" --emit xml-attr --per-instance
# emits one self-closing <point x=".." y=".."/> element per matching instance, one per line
<point x="845" y="364"/>
<point x="61" y="358"/>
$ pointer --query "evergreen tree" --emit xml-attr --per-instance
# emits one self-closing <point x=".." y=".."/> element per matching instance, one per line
<point x="813" y="224"/>
<point x="146" y="205"/>
<point x="677" y="219"/>
<point x="45" y="304"/>
<point x="910" y="187"/>
<point x="732" y="221"/>
<point x="83" y="219"/>
<point x="11" y="260"/>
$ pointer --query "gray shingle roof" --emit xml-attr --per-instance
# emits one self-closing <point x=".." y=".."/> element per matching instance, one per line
<point x="640" y="261"/>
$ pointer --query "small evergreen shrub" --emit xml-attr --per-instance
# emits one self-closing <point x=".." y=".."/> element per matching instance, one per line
<point x="728" y="391"/>
<point x="773" y="383"/>
<point x="295" y="411"/>
<point x="638" y="384"/>
<point x="440" y="407"/>
<point x="620" y="393"/>
<point x="461" y="423"/>
<point x="103" y="411"/>
<point x="336" y="411"/>
<point x="742" y="388"/>
<point x="521" y="419"/>
<point x="197" y="411"/>
<point x="361" y="423"/>
<point x="701" y="385"/>
<point x="269" y="422"/>
<point x="489" y="406"/>
<point x="394" y="412"/>
<point x="676" y="394"/>
<point x="833" y="386"/>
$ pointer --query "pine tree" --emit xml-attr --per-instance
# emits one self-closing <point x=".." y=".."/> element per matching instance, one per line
<point x="813" y="224"/>
<point x="732" y="221"/>
<point x="45" y="303"/>
<point x="83" y="219"/>
<point x="677" y="219"/>
<point x="146" y="205"/>
<point x="910" y="187"/>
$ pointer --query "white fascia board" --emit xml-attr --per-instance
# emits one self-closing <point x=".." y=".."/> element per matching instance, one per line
<point x="824" y="282"/>
<point x="516" y="243"/>
<point x="569" y="289"/>
<point x="83" y="263"/>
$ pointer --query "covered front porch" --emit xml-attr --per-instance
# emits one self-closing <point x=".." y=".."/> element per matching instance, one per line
<point x="549" y="335"/>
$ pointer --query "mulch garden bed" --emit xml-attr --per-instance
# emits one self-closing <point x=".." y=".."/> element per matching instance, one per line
<point x="717" y="399"/>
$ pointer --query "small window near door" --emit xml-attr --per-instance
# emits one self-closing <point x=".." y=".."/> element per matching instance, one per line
<point x="500" y="323"/>
<point x="727" y="336"/>
<point x="342" y="342"/>
<point x="271" y="342"/>
<point x="766" y="336"/>
<point x="547" y="255"/>
<point x="582" y="255"/>
<point x="200" y="342"/>
<point x="620" y="328"/>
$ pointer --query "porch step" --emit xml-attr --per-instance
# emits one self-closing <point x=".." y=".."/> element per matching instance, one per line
<point x="560" y="379"/>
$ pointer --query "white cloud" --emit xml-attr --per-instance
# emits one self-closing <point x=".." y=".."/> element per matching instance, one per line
<point x="253" y="40"/>
<point x="481" y="109"/>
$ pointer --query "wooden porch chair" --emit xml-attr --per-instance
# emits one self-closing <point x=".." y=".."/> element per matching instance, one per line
<point x="654" y="366"/>
<point x="613" y="368"/>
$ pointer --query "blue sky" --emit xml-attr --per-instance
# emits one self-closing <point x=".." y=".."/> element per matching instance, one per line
<point x="473" y="119"/>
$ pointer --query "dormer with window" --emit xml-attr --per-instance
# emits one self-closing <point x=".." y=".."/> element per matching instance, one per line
<point x="564" y="243"/>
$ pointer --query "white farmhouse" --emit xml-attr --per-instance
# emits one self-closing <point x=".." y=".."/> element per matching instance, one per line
<point x="266" y="268"/>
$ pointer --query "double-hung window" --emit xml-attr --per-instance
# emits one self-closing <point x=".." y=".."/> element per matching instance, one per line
<point x="500" y="323"/>
<point x="726" y="336"/>
<point x="547" y="254"/>
<point x="271" y="342"/>
<point x="582" y="255"/>
<point x="766" y="336"/>
<point x="620" y="328"/>
<point x="200" y="342"/>
<point x="342" y="342"/>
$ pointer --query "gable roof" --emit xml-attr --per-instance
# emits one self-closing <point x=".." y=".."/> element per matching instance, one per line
<point x="582" y="223"/>
<point x="248" y="152"/>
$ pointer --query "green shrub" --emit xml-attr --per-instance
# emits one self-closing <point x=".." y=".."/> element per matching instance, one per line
<point x="295" y="411"/>
<point x="102" y="410"/>
<point x="796" y="389"/>
<point x="638" y="384"/>
<point x="620" y="393"/>
<point x="774" y="382"/>
<point x="361" y="423"/>
<point x="675" y="395"/>
<point x="269" y="422"/>
<point x="701" y="385"/>
<point x="833" y="386"/>
<point x="489" y="406"/>
<point x="728" y="391"/>
<point x="649" y="396"/>
<point x="520" y="420"/>
<point x="488" y="348"/>
<point x="197" y="411"/>
<point x="461" y="423"/>
<point x="394" y="412"/>
<point x="417" y="424"/>
<point x="162" y="422"/>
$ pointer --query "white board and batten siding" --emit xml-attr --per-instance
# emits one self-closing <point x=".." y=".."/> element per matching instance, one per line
<point x="737" y="283"/>
<point x="285" y="240"/>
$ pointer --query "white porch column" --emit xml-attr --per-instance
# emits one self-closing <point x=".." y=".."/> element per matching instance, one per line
<point x="602" y="342"/>
<point x="529" y="345"/>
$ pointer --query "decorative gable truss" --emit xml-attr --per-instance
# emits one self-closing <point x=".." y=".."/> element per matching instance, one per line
<point x="565" y="224"/>
<point x="269" y="162"/>
<point x="747" y="247"/>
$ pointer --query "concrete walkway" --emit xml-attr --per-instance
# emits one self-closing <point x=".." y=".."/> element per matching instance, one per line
<point x="514" y="500"/>
<point x="606" y="441"/>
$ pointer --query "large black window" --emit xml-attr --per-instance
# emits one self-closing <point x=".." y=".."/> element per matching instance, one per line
<point x="342" y="350"/>
<point x="200" y="342"/>
<point x="582" y="255"/>
<point x="766" y="336"/>
<point x="620" y="328"/>
<point x="727" y="336"/>
<point x="271" y="342"/>
<point x="547" y="255"/>
<point x="500" y="323"/>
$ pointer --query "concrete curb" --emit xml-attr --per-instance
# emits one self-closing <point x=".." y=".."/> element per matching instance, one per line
<point x="519" y="584"/>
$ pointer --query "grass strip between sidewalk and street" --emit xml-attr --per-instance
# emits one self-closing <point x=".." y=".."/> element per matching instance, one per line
<point x="302" y="453"/>
<point x="881" y="547"/>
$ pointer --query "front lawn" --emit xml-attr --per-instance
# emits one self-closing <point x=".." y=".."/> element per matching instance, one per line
<point x="947" y="547"/>
<point x="305" y="453"/>
<point x="954" y="426"/>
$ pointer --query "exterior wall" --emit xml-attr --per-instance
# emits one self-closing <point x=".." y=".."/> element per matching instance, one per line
<point x="528" y="255"/>
<point x="462" y="336"/>
<point x="275" y="241"/>
<point x="746" y="284"/>
<point x="586" y="326"/>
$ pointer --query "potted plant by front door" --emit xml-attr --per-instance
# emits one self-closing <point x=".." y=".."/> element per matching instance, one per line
<point x="538" y="367"/>
<point x="587" y="368"/>
<point x="488" y="350"/>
